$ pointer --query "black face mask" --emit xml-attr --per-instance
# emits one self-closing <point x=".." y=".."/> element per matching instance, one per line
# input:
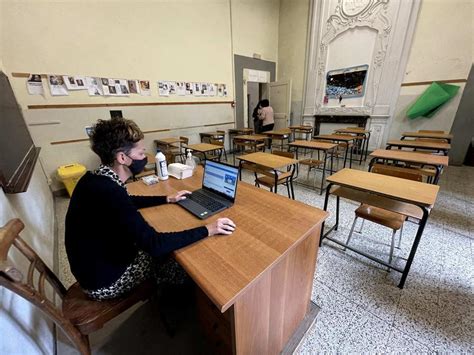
<point x="137" y="165"/>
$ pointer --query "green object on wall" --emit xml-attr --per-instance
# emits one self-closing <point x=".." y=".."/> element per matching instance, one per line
<point x="435" y="96"/>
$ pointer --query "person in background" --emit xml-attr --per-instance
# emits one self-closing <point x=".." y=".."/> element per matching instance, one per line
<point x="265" y="115"/>
<point x="110" y="247"/>
<point x="257" y="123"/>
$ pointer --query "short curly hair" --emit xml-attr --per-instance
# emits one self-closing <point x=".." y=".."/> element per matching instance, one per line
<point x="108" y="137"/>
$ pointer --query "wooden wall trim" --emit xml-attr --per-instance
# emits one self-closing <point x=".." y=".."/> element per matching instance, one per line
<point x="145" y="132"/>
<point x="450" y="81"/>
<point x="125" y="104"/>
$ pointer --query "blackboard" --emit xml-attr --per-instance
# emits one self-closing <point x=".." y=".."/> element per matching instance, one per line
<point x="18" y="154"/>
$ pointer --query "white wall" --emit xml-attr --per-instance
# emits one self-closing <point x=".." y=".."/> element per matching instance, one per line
<point x="292" y="37"/>
<point x="442" y="50"/>
<point x="25" y="330"/>
<point x="151" y="40"/>
<point x="255" y="28"/>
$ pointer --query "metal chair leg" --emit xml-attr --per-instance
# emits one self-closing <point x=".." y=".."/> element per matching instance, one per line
<point x="352" y="230"/>
<point x="392" y="244"/>
<point x="400" y="237"/>
<point x="361" y="226"/>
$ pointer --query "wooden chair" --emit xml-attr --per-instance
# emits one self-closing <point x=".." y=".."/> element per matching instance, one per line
<point x="223" y="142"/>
<point x="244" y="147"/>
<point x="284" y="178"/>
<point x="77" y="316"/>
<point x="182" y="148"/>
<point x="381" y="216"/>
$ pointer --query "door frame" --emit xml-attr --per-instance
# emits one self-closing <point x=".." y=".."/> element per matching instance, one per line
<point x="252" y="76"/>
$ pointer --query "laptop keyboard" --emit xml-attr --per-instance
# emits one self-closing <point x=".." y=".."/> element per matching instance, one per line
<point x="205" y="201"/>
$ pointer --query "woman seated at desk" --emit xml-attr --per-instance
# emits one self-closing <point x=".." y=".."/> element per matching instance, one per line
<point x="110" y="246"/>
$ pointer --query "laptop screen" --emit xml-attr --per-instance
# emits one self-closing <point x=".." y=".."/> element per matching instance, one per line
<point x="220" y="178"/>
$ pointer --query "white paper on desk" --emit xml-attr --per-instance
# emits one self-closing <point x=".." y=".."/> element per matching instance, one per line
<point x="34" y="84"/>
<point x="94" y="86"/>
<point x="145" y="88"/>
<point x="57" y="86"/>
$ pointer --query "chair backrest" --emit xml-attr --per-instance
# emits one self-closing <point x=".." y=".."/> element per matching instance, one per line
<point x="216" y="142"/>
<point x="429" y="131"/>
<point x="33" y="287"/>
<point x="403" y="173"/>
<point x="184" y="140"/>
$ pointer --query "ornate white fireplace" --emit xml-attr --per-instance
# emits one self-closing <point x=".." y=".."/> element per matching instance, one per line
<point x="348" y="33"/>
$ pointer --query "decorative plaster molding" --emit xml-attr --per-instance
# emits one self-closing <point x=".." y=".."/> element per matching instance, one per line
<point x="350" y="14"/>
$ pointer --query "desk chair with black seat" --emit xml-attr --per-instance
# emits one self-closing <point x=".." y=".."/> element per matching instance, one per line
<point x="77" y="315"/>
<point x="284" y="178"/>
<point x="381" y="216"/>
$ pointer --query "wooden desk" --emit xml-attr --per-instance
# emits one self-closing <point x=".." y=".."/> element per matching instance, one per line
<point x="250" y="140"/>
<point x="280" y="134"/>
<point x="365" y="134"/>
<point x="205" y="148"/>
<point x="213" y="135"/>
<point x="272" y="162"/>
<point x="446" y="136"/>
<point x="436" y="161"/>
<point x="444" y="147"/>
<point x="306" y="130"/>
<point x="339" y="138"/>
<point x="235" y="132"/>
<point x="410" y="198"/>
<point x="259" y="279"/>
<point x="168" y="141"/>
<point x="320" y="146"/>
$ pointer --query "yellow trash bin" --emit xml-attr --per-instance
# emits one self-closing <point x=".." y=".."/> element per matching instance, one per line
<point x="70" y="175"/>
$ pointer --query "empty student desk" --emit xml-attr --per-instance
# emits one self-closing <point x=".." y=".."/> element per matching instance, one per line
<point x="302" y="129"/>
<point x="319" y="146"/>
<point x="235" y="132"/>
<point x="438" y="162"/>
<point x="258" y="280"/>
<point x="271" y="162"/>
<point x="365" y="134"/>
<point x="338" y="138"/>
<point x="211" y="135"/>
<point x="424" y="145"/>
<point x="279" y="134"/>
<point x="410" y="198"/>
<point x="205" y="149"/>
<point x="428" y="135"/>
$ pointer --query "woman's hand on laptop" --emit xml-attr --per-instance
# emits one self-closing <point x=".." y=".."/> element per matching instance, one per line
<point x="180" y="195"/>
<point x="221" y="226"/>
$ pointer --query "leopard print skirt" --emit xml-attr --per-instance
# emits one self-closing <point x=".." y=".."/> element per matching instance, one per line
<point x="144" y="267"/>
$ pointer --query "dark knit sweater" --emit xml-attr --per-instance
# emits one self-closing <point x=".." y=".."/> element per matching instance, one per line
<point x="104" y="231"/>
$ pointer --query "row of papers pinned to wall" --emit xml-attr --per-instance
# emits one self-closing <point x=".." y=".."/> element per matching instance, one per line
<point x="61" y="85"/>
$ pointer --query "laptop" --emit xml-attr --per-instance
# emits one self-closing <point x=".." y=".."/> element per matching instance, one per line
<point x="219" y="187"/>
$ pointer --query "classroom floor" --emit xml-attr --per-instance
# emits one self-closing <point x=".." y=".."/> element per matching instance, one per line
<point x="362" y="309"/>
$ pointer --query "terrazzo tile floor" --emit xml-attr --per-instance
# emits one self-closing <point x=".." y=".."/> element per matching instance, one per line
<point x="362" y="309"/>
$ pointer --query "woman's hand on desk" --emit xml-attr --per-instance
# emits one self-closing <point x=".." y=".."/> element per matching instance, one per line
<point x="221" y="226"/>
<point x="180" y="195"/>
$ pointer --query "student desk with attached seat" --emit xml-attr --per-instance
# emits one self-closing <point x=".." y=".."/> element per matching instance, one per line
<point x="410" y="198"/>
<point x="320" y="146"/>
<point x="436" y="161"/>
<point x="407" y="143"/>
<point x="433" y="135"/>
<point x="271" y="162"/>
<point x="257" y="281"/>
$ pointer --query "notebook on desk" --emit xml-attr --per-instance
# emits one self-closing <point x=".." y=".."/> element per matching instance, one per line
<point x="219" y="187"/>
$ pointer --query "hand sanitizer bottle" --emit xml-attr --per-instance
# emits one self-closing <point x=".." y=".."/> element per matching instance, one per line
<point x="190" y="160"/>
<point x="161" y="167"/>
